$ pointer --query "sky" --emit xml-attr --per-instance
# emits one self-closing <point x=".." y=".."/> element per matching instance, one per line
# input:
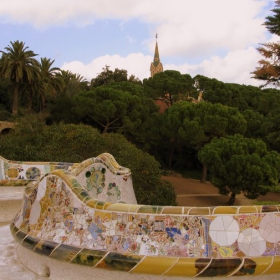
<point x="214" y="38"/>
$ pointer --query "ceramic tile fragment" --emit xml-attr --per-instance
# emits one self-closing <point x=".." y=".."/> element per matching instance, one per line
<point x="251" y="243"/>
<point x="270" y="228"/>
<point x="220" y="227"/>
<point x="61" y="219"/>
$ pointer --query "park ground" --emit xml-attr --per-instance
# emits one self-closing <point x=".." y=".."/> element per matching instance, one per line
<point x="192" y="192"/>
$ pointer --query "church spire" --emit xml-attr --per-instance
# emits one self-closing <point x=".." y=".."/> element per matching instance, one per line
<point x="156" y="65"/>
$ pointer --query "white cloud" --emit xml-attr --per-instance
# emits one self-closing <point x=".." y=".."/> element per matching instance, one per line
<point x="235" y="67"/>
<point x="223" y="34"/>
<point x="136" y="64"/>
<point x="200" y="27"/>
<point x="185" y="27"/>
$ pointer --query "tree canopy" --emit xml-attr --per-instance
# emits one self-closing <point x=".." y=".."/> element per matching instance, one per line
<point x="111" y="109"/>
<point x="239" y="164"/>
<point x="272" y="22"/>
<point x="269" y="67"/>
<point x="75" y="143"/>
<point x="194" y="125"/>
<point x="18" y="65"/>
<point x="108" y="76"/>
<point x="169" y="86"/>
<point x="123" y="106"/>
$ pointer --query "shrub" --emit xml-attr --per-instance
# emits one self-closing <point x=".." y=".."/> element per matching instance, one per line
<point x="35" y="141"/>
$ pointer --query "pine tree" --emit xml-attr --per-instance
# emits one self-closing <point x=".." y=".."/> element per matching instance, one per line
<point x="269" y="67"/>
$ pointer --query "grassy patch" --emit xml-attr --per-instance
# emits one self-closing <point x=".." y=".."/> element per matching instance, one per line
<point x="266" y="202"/>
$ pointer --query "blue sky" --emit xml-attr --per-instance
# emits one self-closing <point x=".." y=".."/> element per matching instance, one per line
<point x="215" y="38"/>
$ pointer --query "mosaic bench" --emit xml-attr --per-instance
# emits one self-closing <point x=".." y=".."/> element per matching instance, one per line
<point x="66" y="217"/>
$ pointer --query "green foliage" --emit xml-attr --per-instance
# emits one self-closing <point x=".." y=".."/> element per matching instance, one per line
<point x="70" y="83"/>
<point x="200" y="123"/>
<point x="255" y="122"/>
<point x="34" y="141"/>
<point x="170" y="85"/>
<point x="239" y="164"/>
<point x="111" y="109"/>
<point x="189" y="125"/>
<point x="124" y="105"/>
<point x="266" y="202"/>
<point x="272" y="22"/>
<point x="268" y="69"/>
<point x="233" y="95"/>
<point x="18" y="66"/>
<point x="132" y="88"/>
<point x="5" y="114"/>
<point x="63" y="111"/>
<point x="271" y="127"/>
<point x="5" y="98"/>
<point x="108" y="76"/>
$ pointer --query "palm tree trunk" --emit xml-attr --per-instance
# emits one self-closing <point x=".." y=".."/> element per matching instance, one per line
<point x="29" y="106"/>
<point x="43" y="103"/>
<point x="15" y="99"/>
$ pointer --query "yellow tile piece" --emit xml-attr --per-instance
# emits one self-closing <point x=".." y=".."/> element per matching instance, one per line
<point x="259" y="208"/>
<point x="12" y="172"/>
<point x="134" y="207"/>
<point x="184" y="267"/>
<point x="86" y="199"/>
<point x="154" y="265"/>
<point x="91" y="203"/>
<point x="225" y="210"/>
<point x="275" y="267"/>
<point x="106" y="205"/>
<point x="200" y="211"/>
<point x="262" y="264"/>
<point x="118" y="207"/>
<point x="159" y="209"/>
<point x="247" y="209"/>
<point x="186" y="210"/>
<point x="149" y="209"/>
<point x="104" y="215"/>
<point x="172" y="210"/>
<point x="100" y="205"/>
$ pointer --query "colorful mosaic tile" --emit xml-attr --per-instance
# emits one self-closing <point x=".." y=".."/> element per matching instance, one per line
<point x="63" y="218"/>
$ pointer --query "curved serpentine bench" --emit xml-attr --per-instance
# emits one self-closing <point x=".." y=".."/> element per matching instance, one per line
<point x="60" y="218"/>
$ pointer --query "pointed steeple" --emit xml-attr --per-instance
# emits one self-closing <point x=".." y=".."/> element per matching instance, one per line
<point x="156" y="65"/>
<point x="156" y="56"/>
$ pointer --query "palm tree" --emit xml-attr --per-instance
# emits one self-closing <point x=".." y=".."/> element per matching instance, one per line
<point x="73" y="83"/>
<point x="50" y="84"/>
<point x="19" y="66"/>
<point x="47" y="86"/>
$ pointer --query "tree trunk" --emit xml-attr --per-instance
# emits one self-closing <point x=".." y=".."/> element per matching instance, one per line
<point x="171" y="155"/>
<point x="204" y="174"/>
<point x="106" y="127"/>
<point x="15" y="100"/>
<point x="43" y="104"/>
<point x="232" y="199"/>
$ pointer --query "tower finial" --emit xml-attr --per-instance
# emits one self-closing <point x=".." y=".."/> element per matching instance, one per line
<point x="156" y="65"/>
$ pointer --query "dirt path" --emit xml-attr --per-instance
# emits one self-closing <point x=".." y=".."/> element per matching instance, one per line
<point x="191" y="192"/>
